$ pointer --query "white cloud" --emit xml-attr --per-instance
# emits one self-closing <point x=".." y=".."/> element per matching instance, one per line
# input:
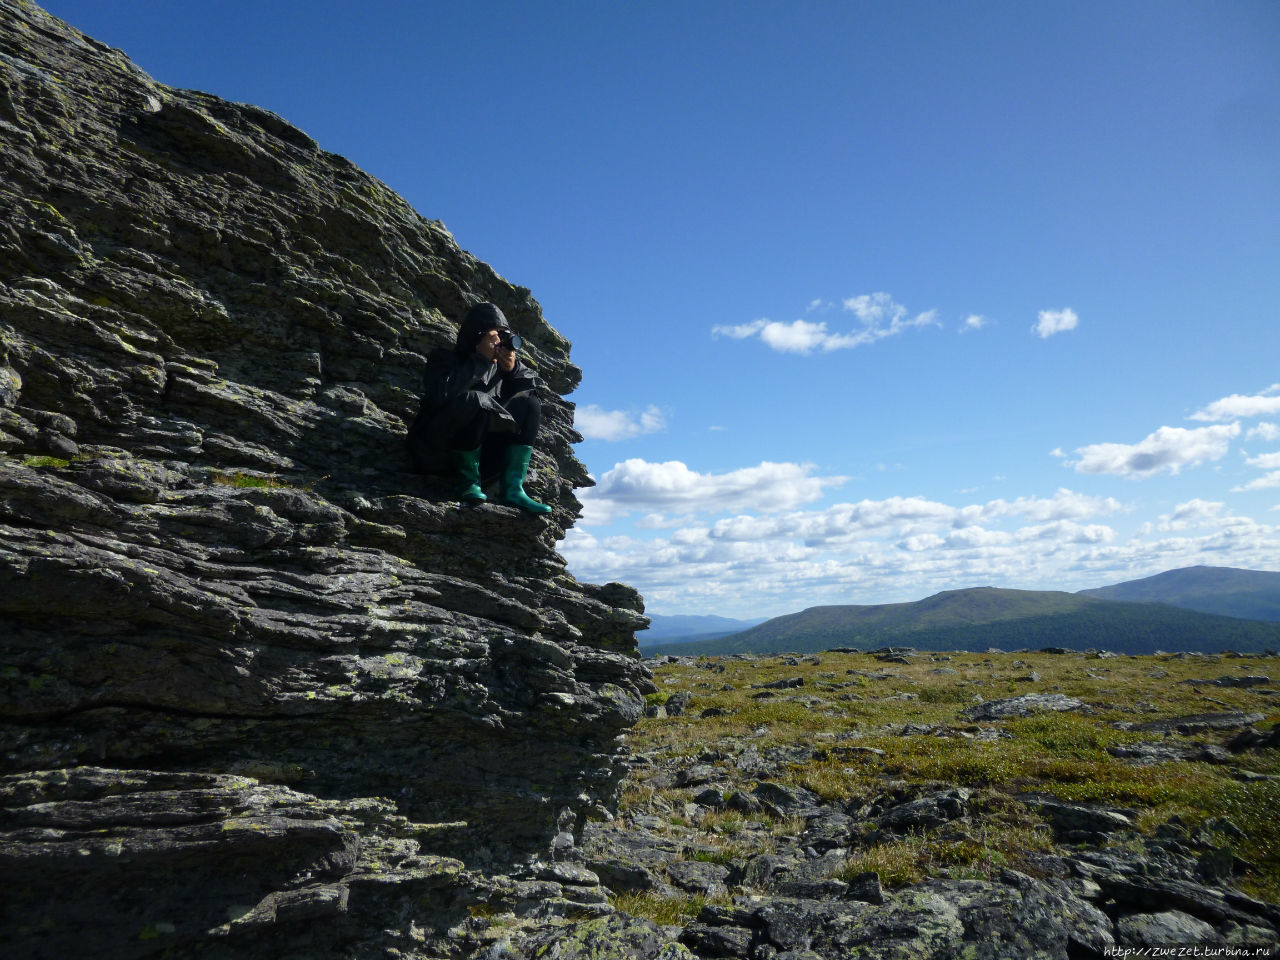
<point x="1267" y="461"/>
<point x="798" y="336"/>
<point x="595" y="423"/>
<point x="1264" y="431"/>
<point x="1262" y="483"/>
<point x="881" y="316"/>
<point x="971" y="537"/>
<point x="1193" y="512"/>
<point x="974" y="322"/>
<point x="741" y="331"/>
<point x="1238" y="406"/>
<point x="1067" y="531"/>
<point x="906" y="548"/>
<point x="1063" y="505"/>
<point x="636" y="485"/>
<point x="1049" y="322"/>
<point x="1169" y="448"/>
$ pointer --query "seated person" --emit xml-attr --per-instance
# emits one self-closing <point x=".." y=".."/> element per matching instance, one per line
<point x="479" y="413"/>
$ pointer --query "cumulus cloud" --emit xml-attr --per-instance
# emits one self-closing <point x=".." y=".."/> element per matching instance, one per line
<point x="973" y="322"/>
<point x="1238" y="406"/>
<point x="1169" y="448"/>
<point x="880" y="315"/>
<point x="1267" y="461"/>
<point x="905" y="548"/>
<point x="1196" y="511"/>
<point x="1049" y="322"/>
<point x="639" y="485"/>
<point x="1266" y="482"/>
<point x="1264" y="431"/>
<point x="595" y="423"/>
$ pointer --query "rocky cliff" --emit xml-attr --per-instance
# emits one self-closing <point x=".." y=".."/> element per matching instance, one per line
<point x="259" y="682"/>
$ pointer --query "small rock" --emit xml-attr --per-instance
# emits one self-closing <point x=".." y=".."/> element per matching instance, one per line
<point x="865" y="887"/>
<point x="700" y="877"/>
<point x="711" y="797"/>
<point x="1172" y="928"/>
<point x="930" y="810"/>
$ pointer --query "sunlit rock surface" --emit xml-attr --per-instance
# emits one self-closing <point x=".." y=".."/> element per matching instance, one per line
<point x="255" y="673"/>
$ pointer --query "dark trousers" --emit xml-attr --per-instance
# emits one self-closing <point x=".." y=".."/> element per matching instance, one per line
<point x="452" y="428"/>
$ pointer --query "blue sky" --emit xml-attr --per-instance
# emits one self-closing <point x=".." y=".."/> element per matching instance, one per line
<point x="872" y="299"/>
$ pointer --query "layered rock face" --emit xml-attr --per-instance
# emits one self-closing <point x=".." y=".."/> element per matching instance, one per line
<point x="255" y="671"/>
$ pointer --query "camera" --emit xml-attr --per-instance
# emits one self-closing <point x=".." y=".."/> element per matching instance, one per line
<point x="510" y="340"/>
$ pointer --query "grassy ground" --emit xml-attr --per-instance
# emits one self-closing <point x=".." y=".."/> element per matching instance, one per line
<point x="851" y="710"/>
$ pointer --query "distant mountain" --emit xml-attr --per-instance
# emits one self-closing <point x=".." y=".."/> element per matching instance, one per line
<point x="982" y="617"/>
<point x="1251" y="594"/>
<point x="690" y="628"/>
<point x="681" y="625"/>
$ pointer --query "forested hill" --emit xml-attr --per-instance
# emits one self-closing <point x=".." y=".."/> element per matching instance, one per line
<point x="983" y="617"/>
<point x="1227" y="591"/>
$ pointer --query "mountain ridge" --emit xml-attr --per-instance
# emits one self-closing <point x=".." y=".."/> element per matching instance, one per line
<point x="1228" y="591"/>
<point x="975" y="618"/>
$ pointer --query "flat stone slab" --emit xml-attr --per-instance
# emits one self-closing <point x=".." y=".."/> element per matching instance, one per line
<point x="1023" y="706"/>
<point x="1197" y="723"/>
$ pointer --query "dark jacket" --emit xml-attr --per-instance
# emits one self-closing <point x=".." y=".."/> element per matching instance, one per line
<point x="456" y="389"/>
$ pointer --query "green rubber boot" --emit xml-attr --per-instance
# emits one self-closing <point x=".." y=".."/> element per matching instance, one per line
<point x="515" y="466"/>
<point x="467" y="463"/>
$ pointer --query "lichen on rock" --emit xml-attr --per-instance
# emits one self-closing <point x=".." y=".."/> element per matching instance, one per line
<point x="222" y="587"/>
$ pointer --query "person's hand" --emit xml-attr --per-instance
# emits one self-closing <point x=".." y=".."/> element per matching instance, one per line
<point x="506" y="358"/>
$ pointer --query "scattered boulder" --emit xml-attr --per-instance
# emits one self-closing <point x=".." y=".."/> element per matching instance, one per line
<point x="786" y="683"/>
<point x="783" y="801"/>
<point x="1230" y="681"/>
<point x="700" y="877"/>
<point x="698" y="774"/>
<point x="717" y="941"/>
<point x="1172" y="928"/>
<point x="1023" y="706"/>
<point x="678" y="703"/>
<point x="1196" y="723"/>
<point x="616" y="936"/>
<point x="931" y="810"/>
<point x="1252" y="739"/>
<point x="1165" y="752"/>
<point x="1079" y="822"/>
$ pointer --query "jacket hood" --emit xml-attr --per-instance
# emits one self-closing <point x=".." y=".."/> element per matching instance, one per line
<point x="480" y="318"/>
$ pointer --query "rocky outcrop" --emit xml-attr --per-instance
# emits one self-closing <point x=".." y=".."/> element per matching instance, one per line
<point x="256" y="674"/>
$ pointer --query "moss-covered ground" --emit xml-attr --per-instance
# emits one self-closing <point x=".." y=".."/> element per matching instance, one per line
<point x="848" y="725"/>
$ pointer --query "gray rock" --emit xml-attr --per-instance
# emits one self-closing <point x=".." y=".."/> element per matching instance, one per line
<point x="1163" y="752"/>
<point x="931" y="810"/>
<point x="1231" y="681"/>
<point x="697" y="775"/>
<point x="1171" y="928"/>
<point x="697" y="876"/>
<point x="616" y="936"/>
<point x="717" y="941"/>
<point x="1072" y="819"/>
<point x="763" y="870"/>
<point x="787" y="683"/>
<point x="866" y="887"/>
<point x="1022" y="706"/>
<point x="1198" y="723"/>
<point x="711" y="797"/>
<point x="827" y="831"/>
<point x="678" y="703"/>
<point x="786" y="801"/>
<point x="233" y="585"/>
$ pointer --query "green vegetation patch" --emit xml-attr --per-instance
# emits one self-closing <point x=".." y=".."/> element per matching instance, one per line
<point x="851" y="727"/>
<point x="242" y="480"/>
